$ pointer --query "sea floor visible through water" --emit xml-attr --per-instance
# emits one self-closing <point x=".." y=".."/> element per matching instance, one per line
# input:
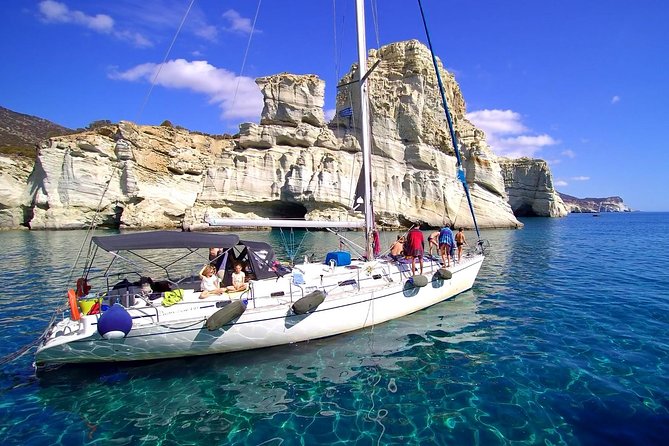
<point x="562" y="340"/>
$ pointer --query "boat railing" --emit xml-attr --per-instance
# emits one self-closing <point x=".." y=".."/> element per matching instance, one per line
<point x="298" y="290"/>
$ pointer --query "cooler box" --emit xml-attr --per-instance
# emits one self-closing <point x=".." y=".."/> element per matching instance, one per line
<point x="341" y="258"/>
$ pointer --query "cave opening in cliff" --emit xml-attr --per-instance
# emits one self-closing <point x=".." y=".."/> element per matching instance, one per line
<point x="282" y="209"/>
<point x="524" y="211"/>
<point x="274" y="209"/>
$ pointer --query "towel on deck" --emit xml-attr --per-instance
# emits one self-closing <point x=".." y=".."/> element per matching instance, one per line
<point x="172" y="297"/>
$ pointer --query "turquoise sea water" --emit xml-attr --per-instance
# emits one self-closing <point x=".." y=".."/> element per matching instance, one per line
<point x="564" y="339"/>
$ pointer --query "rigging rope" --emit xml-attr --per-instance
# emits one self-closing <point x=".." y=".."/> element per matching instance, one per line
<point x="289" y="244"/>
<point x="92" y="226"/>
<point x="375" y="20"/>
<point x="160" y="67"/>
<point x="461" y="172"/>
<point x="26" y="348"/>
<point x="246" y="53"/>
<point x="334" y="28"/>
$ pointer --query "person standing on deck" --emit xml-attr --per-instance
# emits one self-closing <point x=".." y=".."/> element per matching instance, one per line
<point x="446" y="242"/>
<point x="459" y="241"/>
<point x="415" y="248"/>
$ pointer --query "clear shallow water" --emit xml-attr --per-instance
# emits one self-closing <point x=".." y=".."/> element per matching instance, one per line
<point x="563" y="340"/>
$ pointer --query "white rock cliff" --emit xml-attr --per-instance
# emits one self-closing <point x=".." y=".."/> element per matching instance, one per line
<point x="15" y="200"/>
<point x="529" y="184"/>
<point x="291" y="164"/>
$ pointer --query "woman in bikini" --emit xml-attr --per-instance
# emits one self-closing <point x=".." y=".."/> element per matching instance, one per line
<point x="433" y="241"/>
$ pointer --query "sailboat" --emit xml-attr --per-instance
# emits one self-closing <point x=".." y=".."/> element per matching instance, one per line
<point x="132" y="318"/>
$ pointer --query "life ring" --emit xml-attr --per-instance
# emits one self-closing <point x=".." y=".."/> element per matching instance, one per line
<point x="75" y="315"/>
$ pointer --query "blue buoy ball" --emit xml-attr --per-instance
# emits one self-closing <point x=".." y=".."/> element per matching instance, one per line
<point x="115" y="323"/>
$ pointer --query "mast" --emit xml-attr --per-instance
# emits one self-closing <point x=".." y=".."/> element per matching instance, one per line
<point x="365" y="128"/>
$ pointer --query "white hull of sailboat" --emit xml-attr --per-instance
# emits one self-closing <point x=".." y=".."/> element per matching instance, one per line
<point x="357" y="296"/>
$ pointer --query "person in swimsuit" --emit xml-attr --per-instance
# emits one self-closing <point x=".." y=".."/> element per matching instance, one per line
<point x="397" y="248"/>
<point x="415" y="248"/>
<point x="460" y="241"/>
<point x="432" y="241"/>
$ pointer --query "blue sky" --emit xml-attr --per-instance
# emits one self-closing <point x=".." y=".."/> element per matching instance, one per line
<point x="581" y="84"/>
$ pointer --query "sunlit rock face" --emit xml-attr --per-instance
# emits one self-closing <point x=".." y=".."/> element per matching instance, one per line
<point x="290" y="164"/>
<point x="410" y="136"/>
<point x="290" y="100"/>
<point x="121" y="175"/>
<point x="14" y="197"/>
<point x="529" y="184"/>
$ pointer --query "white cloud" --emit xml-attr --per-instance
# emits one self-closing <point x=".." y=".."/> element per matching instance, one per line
<point x="615" y="99"/>
<point x="55" y="12"/>
<point x="161" y="18"/>
<point x="238" y="97"/>
<point x="580" y="178"/>
<point x="569" y="153"/>
<point x="207" y="32"/>
<point x="237" y="23"/>
<point x="531" y="141"/>
<point x="505" y="133"/>
<point x="135" y="38"/>
<point x="499" y="122"/>
<point x="560" y="183"/>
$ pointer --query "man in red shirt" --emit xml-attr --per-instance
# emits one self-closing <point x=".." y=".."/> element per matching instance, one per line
<point x="415" y="248"/>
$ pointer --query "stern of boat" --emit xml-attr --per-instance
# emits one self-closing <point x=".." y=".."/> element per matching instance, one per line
<point x="54" y="346"/>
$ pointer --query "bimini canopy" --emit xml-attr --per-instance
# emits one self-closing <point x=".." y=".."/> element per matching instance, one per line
<point x="257" y="257"/>
<point x="262" y="259"/>
<point x="165" y="240"/>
